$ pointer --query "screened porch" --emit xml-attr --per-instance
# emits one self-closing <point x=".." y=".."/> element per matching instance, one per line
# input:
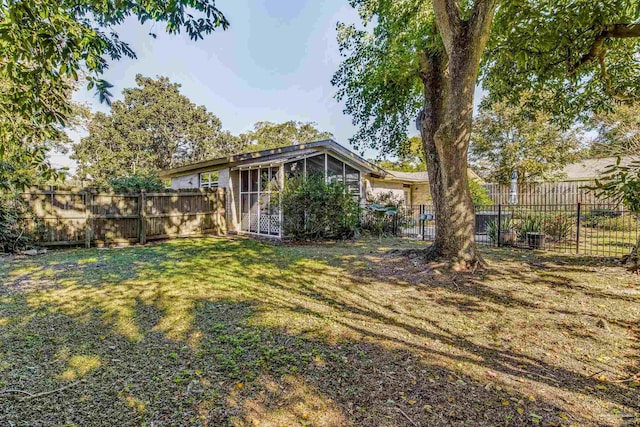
<point x="260" y="186"/>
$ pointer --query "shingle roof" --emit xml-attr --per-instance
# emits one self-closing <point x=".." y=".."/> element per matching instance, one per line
<point x="410" y="176"/>
<point x="589" y="169"/>
<point x="423" y="176"/>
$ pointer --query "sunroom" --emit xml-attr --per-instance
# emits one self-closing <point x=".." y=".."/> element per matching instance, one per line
<point x="258" y="187"/>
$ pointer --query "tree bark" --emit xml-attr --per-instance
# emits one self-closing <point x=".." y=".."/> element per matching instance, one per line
<point x="449" y="80"/>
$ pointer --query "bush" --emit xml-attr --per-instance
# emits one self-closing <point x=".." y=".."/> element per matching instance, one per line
<point x="627" y="223"/>
<point x="315" y="210"/>
<point x="557" y="227"/>
<point x="529" y="224"/>
<point x="596" y="217"/>
<point x="506" y="229"/>
<point x="379" y="213"/>
<point x="479" y="194"/>
<point x="13" y="233"/>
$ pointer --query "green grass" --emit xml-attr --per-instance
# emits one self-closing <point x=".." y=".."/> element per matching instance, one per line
<point x="238" y="332"/>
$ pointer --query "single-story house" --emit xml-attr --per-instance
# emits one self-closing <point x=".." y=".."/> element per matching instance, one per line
<point x="246" y="178"/>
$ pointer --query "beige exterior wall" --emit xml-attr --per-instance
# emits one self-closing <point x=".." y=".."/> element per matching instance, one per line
<point x="185" y="181"/>
<point x="376" y="187"/>
<point x="421" y="194"/>
<point x="409" y="193"/>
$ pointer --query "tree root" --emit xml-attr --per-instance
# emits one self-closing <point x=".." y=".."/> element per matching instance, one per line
<point x="30" y="396"/>
<point x="468" y="262"/>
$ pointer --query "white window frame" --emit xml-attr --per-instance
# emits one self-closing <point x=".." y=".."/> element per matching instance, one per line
<point x="209" y="183"/>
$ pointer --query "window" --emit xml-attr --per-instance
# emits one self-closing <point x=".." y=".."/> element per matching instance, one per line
<point x="209" y="180"/>
<point x="293" y="169"/>
<point x="335" y="170"/>
<point x="315" y="165"/>
<point x="332" y="169"/>
<point x="352" y="180"/>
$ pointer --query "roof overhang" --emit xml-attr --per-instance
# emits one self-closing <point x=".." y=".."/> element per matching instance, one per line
<point x="273" y="156"/>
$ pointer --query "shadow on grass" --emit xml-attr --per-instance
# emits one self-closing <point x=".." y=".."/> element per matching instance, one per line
<point x="238" y="332"/>
<point x="237" y="374"/>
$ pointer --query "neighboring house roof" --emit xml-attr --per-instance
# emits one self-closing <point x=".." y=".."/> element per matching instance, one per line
<point x="279" y="153"/>
<point x="424" y="176"/>
<point x="590" y="169"/>
<point x="409" y="176"/>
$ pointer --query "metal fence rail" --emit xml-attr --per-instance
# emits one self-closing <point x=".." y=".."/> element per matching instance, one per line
<point x="589" y="229"/>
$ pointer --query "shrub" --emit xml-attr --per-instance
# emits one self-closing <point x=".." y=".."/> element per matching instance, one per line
<point x="557" y="227"/>
<point x="529" y="224"/>
<point x="13" y="224"/>
<point x="506" y="228"/>
<point x="479" y="194"/>
<point x="316" y="210"/>
<point x="596" y="217"/>
<point x="627" y="223"/>
<point x="380" y="213"/>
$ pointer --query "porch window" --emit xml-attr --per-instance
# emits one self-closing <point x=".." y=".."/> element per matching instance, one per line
<point x="352" y="180"/>
<point x="334" y="170"/>
<point x="316" y="165"/>
<point x="293" y="169"/>
<point x="209" y="180"/>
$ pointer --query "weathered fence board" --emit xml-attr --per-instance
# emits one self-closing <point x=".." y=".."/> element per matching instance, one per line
<point x="63" y="217"/>
<point x="547" y="193"/>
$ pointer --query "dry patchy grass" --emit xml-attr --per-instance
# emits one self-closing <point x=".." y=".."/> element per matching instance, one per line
<point x="234" y="332"/>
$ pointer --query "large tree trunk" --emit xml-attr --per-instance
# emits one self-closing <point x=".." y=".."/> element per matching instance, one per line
<point x="449" y="80"/>
<point x="445" y="130"/>
<point x="631" y="261"/>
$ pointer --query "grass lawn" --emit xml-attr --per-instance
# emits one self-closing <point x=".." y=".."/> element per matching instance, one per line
<point x="235" y="332"/>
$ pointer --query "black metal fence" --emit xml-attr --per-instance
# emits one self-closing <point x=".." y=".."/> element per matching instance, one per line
<point x="588" y="229"/>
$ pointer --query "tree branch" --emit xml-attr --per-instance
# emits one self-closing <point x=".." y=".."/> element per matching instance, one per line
<point x="481" y="19"/>
<point x="448" y="21"/>
<point x="597" y="50"/>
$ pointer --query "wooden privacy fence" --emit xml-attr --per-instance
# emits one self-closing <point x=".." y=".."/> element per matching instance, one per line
<point x="547" y="193"/>
<point x="87" y="217"/>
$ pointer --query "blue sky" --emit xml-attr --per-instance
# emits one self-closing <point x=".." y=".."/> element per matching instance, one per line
<point x="274" y="63"/>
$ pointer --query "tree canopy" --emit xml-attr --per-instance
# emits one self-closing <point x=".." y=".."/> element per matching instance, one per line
<point x="506" y="140"/>
<point x="570" y="58"/>
<point x="155" y="127"/>
<point x="618" y="131"/>
<point x="410" y="159"/>
<point x="266" y="135"/>
<point x="46" y="44"/>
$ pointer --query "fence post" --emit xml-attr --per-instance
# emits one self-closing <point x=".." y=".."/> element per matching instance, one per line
<point x="421" y="221"/>
<point x="395" y="223"/>
<point x="499" y="223"/>
<point x="88" y="225"/>
<point x="142" y="218"/>
<point x="578" y="230"/>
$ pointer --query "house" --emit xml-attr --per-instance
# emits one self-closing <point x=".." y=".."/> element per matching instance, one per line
<point x="589" y="170"/>
<point x="247" y="178"/>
